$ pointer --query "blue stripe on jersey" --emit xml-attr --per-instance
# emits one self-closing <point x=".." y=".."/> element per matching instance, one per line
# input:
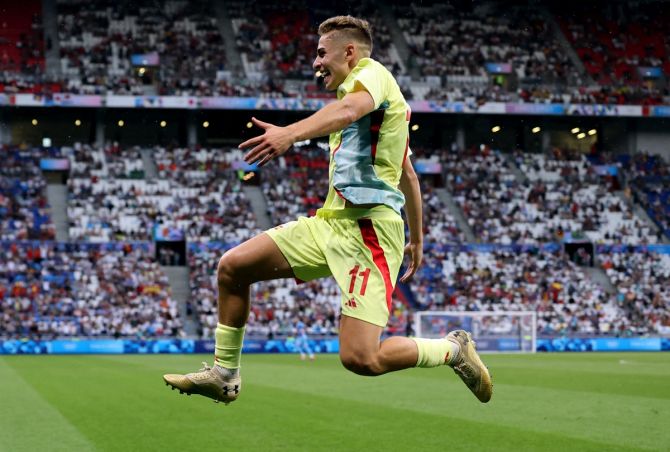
<point x="354" y="176"/>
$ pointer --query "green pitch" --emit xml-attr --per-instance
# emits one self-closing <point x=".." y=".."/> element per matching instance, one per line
<point x="598" y="402"/>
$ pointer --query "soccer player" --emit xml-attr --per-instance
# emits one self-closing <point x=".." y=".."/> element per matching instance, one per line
<point x="357" y="237"/>
<point x="302" y="341"/>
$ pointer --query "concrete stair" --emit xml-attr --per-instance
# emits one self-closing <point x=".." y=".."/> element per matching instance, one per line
<point x="511" y="165"/>
<point x="598" y="275"/>
<point x="150" y="169"/>
<point x="233" y="58"/>
<point x="181" y="291"/>
<point x="259" y="205"/>
<point x="457" y="213"/>
<point x="57" y="197"/>
<point x="399" y="41"/>
<point x="52" y="44"/>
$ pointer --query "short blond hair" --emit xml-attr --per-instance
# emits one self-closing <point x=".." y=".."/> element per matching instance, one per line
<point x="351" y="27"/>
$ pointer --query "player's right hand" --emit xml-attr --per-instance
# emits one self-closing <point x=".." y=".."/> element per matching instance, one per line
<point x="274" y="142"/>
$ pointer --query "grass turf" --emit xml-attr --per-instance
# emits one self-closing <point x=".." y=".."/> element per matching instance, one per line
<point x="541" y="402"/>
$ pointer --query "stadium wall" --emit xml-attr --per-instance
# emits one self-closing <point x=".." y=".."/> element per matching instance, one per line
<point x="186" y="346"/>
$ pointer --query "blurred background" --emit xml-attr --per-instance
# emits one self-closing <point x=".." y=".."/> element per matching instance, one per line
<point x="540" y="132"/>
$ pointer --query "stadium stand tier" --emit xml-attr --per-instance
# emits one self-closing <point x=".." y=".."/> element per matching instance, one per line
<point x="524" y="209"/>
<point x="128" y="48"/>
<point x="52" y="290"/>
<point x="24" y="210"/>
<point x="176" y="42"/>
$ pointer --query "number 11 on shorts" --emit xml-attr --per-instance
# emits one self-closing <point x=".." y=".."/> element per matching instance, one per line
<point x="354" y="274"/>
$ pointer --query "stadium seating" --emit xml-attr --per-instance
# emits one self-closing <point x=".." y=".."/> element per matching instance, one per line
<point x="98" y="39"/>
<point x="279" y="43"/>
<point x="196" y="192"/>
<point x="491" y="198"/>
<point x="447" y="40"/>
<point x="564" y="297"/>
<point x="50" y="290"/>
<point x="642" y="281"/>
<point x="449" y="48"/>
<point x="275" y="305"/>
<point x="103" y="203"/>
<point x="584" y="199"/>
<point x="650" y="177"/>
<point x="208" y="202"/>
<point x="22" y="48"/>
<point x="614" y="41"/>
<point x="24" y="210"/>
<point x="301" y="176"/>
<point x="518" y="203"/>
<point x="438" y="223"/>
<point x="502" y="209"/>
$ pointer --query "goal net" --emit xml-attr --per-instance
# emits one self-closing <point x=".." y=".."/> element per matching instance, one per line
<point x="504" y="331"/>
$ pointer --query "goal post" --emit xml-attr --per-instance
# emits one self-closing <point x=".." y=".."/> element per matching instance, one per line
<point x="502" y="331"/>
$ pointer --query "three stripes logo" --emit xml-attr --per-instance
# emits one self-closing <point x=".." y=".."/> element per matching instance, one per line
<point x="351" y="303"/>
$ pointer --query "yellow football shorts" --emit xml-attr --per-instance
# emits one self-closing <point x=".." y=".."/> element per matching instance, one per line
<point x="361" y="248"/>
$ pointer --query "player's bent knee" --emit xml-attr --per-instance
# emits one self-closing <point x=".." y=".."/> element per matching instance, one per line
<point x="227" y="272"/>
<point x="361" y="364"/>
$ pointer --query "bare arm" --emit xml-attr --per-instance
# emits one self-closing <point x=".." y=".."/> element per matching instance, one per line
<point x="331" y="118"/>
<point x="409" y="185"/>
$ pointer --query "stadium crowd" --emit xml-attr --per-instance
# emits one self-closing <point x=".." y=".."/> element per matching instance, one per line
<point x="98" y="40"/>
<point x="614" y="41"/>
<point x="51" y="296"/>
<point x="24" y="210"/>
<point x="650" y="181"/>
<point x="116" y="289"/>
<point x="275" y="305"/>
<point x="300" y="176"/>
<point x="564" y="297"/>
<point x="589" y="199"/>
<point x="642" y="280"/>
<point x="208" y="201"/>
<point x="180" y="50"/>
<point x="196" y="192"/>
<point x="502" y="208"/>
<point x="52" y="290"/>
<point x="104" y="204"/>
<point x="448" y="40"/>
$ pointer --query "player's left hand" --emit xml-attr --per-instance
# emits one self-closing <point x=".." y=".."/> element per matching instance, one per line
<point x="415" y="252"/>
<point x="274" y="142"/>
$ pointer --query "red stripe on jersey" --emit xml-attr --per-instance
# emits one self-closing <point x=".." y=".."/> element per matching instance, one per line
<point x="371" y="241"/>
<point x="376" y="119"/>
<point x="337" y="147"/>
<point x="404" y="157"/>
<point x="339" y="194"/>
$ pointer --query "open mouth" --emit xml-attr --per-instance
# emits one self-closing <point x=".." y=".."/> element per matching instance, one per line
<point x="322" y="74"/>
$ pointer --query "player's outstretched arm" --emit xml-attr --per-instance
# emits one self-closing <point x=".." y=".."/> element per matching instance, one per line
<point x="335" y="116"/>
<point x="409" y="185"/>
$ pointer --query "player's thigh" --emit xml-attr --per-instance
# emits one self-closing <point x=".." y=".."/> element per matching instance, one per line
<point x="257" y="259"/>
<point x="359" y="341"/>
<point x="301" y="244"/>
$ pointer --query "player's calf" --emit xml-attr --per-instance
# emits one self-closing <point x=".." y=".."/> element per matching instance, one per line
<point x="362" y="364"/>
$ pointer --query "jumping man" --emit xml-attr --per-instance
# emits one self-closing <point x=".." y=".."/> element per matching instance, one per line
<point x="357" y="237"/>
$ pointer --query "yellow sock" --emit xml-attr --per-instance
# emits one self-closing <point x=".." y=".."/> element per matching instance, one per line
<point x="435" y="352"/>
<point x="228" y="346"/>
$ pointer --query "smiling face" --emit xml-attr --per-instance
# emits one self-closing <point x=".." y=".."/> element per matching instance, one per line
<point x="335" y="57"/>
